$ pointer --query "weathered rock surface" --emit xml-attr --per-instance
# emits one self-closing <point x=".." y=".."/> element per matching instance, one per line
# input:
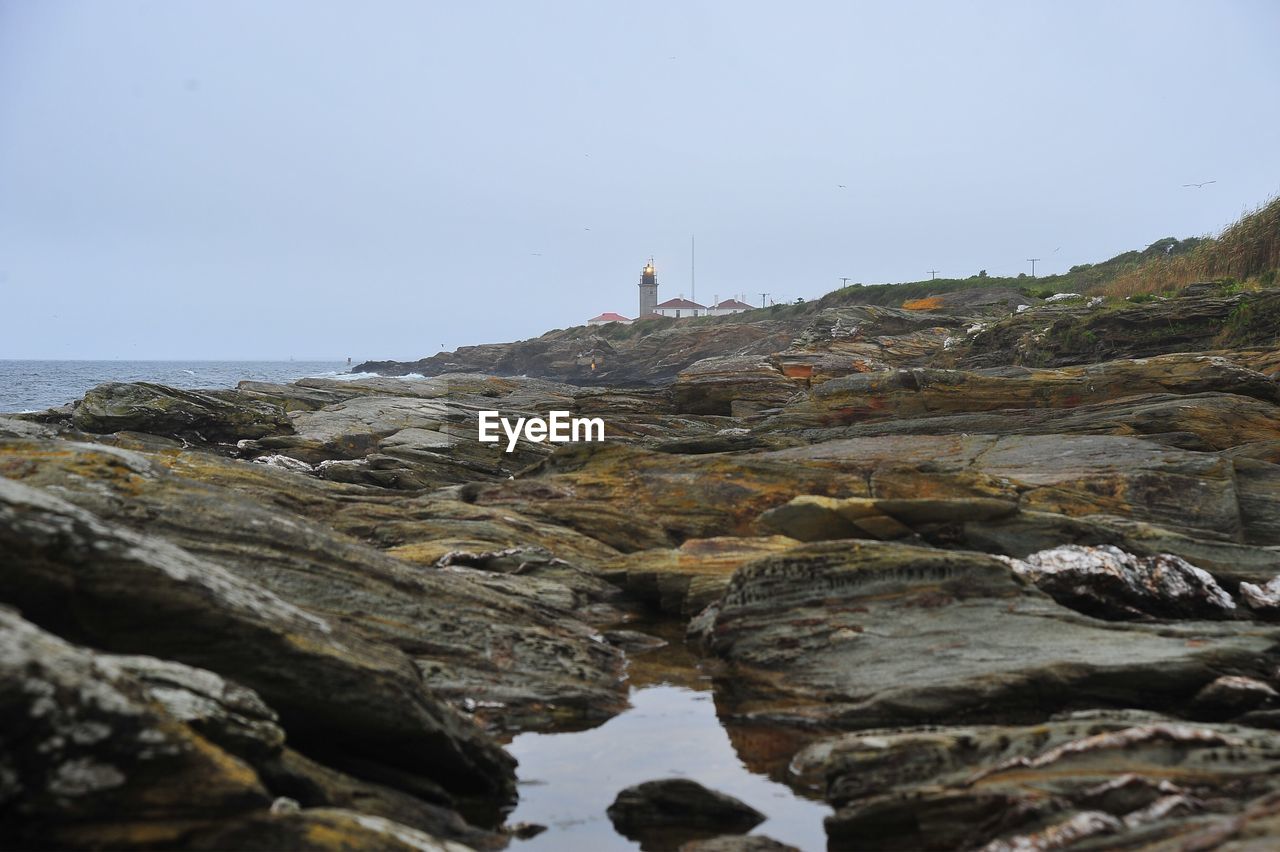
<point x="1079" y="334"/>
<point x="321" y="829"/>
<point x="1064" y="474"/>
<point x="810" y="518"/>
<point x="737" y="843"/>
<point x="116" y="589"/>
<point x="862" y="634"/>
<point x="1204" y="422"/>
<point x="684" y="580"/>
<point x="1114" y="779"/>
<point x="1106" y="582"/>
<point x="633" y="499"/>
<point x="88" y="759"/>
<point x="469" y="640"/>
<point x="732" y="385"/>
<point x="665" y="814"/>
<point x="212" y="416"/>
<point x="920" y="391"/>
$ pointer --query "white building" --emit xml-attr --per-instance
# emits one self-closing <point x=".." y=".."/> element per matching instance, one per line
<point x="680" y="307"/>
<point x="728" y="306"/>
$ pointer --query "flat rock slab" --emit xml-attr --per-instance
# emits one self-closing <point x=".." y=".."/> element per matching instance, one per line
<point x="865" y="634"/>
<point x="1067" y="474"/>
<point x="1203" y="421"/>
<point x="1119" y="777"/>
<point x="922" y="391"/>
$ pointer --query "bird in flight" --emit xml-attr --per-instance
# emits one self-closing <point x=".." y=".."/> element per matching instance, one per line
<point x="841" y="186"/>
<point x="1198" y="185"/>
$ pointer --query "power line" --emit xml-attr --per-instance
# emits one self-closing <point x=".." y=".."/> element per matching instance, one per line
<point x="933" y="273"/>
<point x="1033" y="265"/>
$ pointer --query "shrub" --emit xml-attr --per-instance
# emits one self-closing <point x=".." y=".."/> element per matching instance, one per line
<point x="928" y="303"/>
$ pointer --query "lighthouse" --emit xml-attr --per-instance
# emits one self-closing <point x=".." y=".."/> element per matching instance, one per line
<point x="648" y="290"/>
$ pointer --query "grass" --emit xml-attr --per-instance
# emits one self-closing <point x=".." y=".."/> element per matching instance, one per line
<point x="1245" y="256"/>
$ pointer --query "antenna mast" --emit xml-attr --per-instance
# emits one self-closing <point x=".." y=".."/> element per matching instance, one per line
<point x="693" y="271"/>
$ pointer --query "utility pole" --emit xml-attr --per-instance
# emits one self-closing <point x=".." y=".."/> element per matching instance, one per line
<point x="844" y="282"/>
<point x="1033" y="265"/>
<point x="763" y="298"/>
<point x="933" y="273"/>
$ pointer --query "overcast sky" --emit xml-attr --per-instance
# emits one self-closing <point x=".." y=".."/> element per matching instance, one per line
<point x="323" y="179"/>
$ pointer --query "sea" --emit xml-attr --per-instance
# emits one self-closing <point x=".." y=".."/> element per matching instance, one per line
<point x="27" y="386"/>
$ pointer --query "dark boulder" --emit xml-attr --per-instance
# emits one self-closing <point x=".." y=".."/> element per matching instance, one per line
<point x="663" y="814"/>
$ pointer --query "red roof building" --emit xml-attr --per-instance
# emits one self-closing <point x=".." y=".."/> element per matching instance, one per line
<point x="607" y="317"/>
<point x="680" y="307"/>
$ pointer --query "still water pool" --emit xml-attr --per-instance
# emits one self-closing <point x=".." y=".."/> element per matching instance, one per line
<point x="567" y="780"/>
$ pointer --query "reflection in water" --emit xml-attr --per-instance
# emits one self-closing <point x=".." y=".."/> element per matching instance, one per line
<point x="568" y="780"/>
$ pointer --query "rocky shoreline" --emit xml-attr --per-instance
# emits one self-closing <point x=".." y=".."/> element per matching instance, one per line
<point x="1005" y="570"/>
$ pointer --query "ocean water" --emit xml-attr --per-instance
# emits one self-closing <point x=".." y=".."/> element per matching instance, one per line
<point x="37" y="385"/>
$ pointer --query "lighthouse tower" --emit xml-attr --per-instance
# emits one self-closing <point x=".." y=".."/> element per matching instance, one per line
<point x="648" y="290"/>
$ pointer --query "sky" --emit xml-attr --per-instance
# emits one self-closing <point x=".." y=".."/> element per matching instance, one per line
<point x="310" y="179"/>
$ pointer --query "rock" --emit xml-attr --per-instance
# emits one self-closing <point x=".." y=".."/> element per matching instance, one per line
<point x="732" y="385"/>
<point x="1230" y="696"/>
<point x="204" y="416"/>
<point x="238" y="721"/>
<point x="632" y="499"/>
<point x="860" y="634"/>
<point x="472" y="635"/>
<point x="321" y="829"/>
<point x="652" y="351"/>
<point x="923" y="391"/>
<point x="225" y="713"/>
<point x="1264" y="600"/>
<point x="1231" y="563"/>
<point x="68" y="571"/>
<point x="665" y="813"/>
<point x="684" y="580"/>
<point x="1119" y="776"/>
<point x="13" y="427"/>
<point x="1106" y="582"/>
<point x="633" y="641"/>
<point x="738" y="843"/>
<point x="1063" y="474"/>
<point x="284" y="462"/>
<point x="426" y="808"/>
<point x="1082" y="335"/>
<point x="536" y="563"/>
<point x="1203" y="422"/>
<point x="810" y="518"/>
<point x="89" y="760"/>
